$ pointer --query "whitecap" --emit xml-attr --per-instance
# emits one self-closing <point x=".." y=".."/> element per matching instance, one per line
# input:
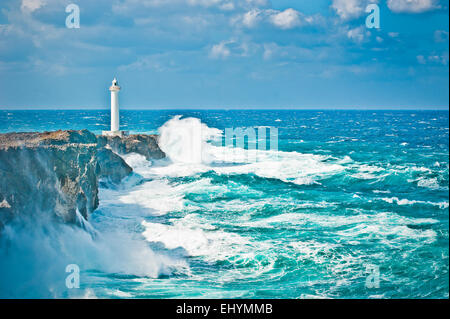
<point x="401" y="202"/>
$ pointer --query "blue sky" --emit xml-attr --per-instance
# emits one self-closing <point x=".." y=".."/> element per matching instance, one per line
<point x="225" y="54"/>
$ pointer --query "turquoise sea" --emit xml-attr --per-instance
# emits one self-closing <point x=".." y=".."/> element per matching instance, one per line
<point x="353" y="204"/>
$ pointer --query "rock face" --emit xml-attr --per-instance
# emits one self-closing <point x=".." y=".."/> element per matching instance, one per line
<point x="112" y="167"/>
<point x="146" y="145"/>
<point x="56" y="174"/>
<point x="51" y="173"/>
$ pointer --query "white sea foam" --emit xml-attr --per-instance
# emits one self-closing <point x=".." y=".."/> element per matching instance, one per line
<point x="194" y="236"/>
<point x="39" y="253"/>
<point x="119" y="293"/>
<point x="378" y="191"/>
<point x="153" y="198"/>
<point x="137" y="161"/>
<point x="368" y="172"/>
<point x="159" y="197"/>
<point x="398" y="233"/>
<point x="336" y="221"/>
<point x="431" y="183"/>
<point x="198" y="238"/>
<point x="398" y="201"/>
<point x="185" y="141"/>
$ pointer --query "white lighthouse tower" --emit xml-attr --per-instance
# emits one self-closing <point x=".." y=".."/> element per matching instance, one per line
<point x="115" y="125"/>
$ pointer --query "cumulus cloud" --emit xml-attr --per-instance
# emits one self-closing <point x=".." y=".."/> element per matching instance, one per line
<point x="350" y="9"/>
<point x="412" y="6"/>
<point x="233" y="48"/>
<point x="441" y="36"/>
<point x="433" y="59"/>
<point x="286" y="19"/>
<point x="31" y="5"/>
<point x="251" y="18"/>
<point x="358" y="35"/>
<point x="221" y="50"/>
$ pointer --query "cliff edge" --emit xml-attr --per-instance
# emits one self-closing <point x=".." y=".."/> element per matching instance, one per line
<point x="56" y="174"/>
<point x="143" y="144"/>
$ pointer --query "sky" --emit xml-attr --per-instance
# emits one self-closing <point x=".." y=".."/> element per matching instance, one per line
<point x="225" y="54"/>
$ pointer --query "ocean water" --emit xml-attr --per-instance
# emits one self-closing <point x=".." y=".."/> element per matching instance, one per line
<point x="353" y="204"/>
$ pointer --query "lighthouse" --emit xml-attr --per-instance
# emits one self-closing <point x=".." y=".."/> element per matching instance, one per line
<point x="115" y="88"/>
<point x="115" y="119"/>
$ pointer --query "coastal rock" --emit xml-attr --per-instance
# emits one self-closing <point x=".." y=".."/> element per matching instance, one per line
<point x="146" y="145"/>
<point x="47" y="138"/>
<point x="112" y="167"/>
<point x="56" y="174"/>
<point x="52" y="174"/>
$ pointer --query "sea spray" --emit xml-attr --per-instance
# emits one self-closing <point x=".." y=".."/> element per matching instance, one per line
<point x="185" y="140"/>
<point x="34" y="256"/>
<point x="190" y="146"/>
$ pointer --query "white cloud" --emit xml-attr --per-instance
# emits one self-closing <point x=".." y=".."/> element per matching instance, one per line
<point x="205" y="3"/>
<point x="227" y="6"/>
<point x="251" y="18"/>
<point x="350" y="9"/>
<point x="358" y="34"/>
<point x="257" y="2"/>
<point x="441" y="36"/>
<point x="393" y="34"/>
<point x="221" y="50"/>
<point x="412" y="6"/>
<point x="421" y="59"/>
<point x="286" y="19"/>
<point x="31" y="5"/>
<point x="269" y="50"/>
<point x="234" y="48"/>
<point x="433" y="59"/>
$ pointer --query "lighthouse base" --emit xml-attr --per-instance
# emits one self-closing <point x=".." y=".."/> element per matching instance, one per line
<point x="115" y="133"/>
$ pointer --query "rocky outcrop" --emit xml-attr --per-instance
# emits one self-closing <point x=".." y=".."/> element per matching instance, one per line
<point x="56" y="174"/>
<point x="112" y="167"/>
<point x="52" y="173"/>
<point x="146" y="145"/>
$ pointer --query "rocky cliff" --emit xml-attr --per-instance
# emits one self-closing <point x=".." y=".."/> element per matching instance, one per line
<point x="146" y="145"/>
<point x="57" y="173"/>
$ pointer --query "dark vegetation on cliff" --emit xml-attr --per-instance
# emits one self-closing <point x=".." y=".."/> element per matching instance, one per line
<point x="57" y="173"/>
